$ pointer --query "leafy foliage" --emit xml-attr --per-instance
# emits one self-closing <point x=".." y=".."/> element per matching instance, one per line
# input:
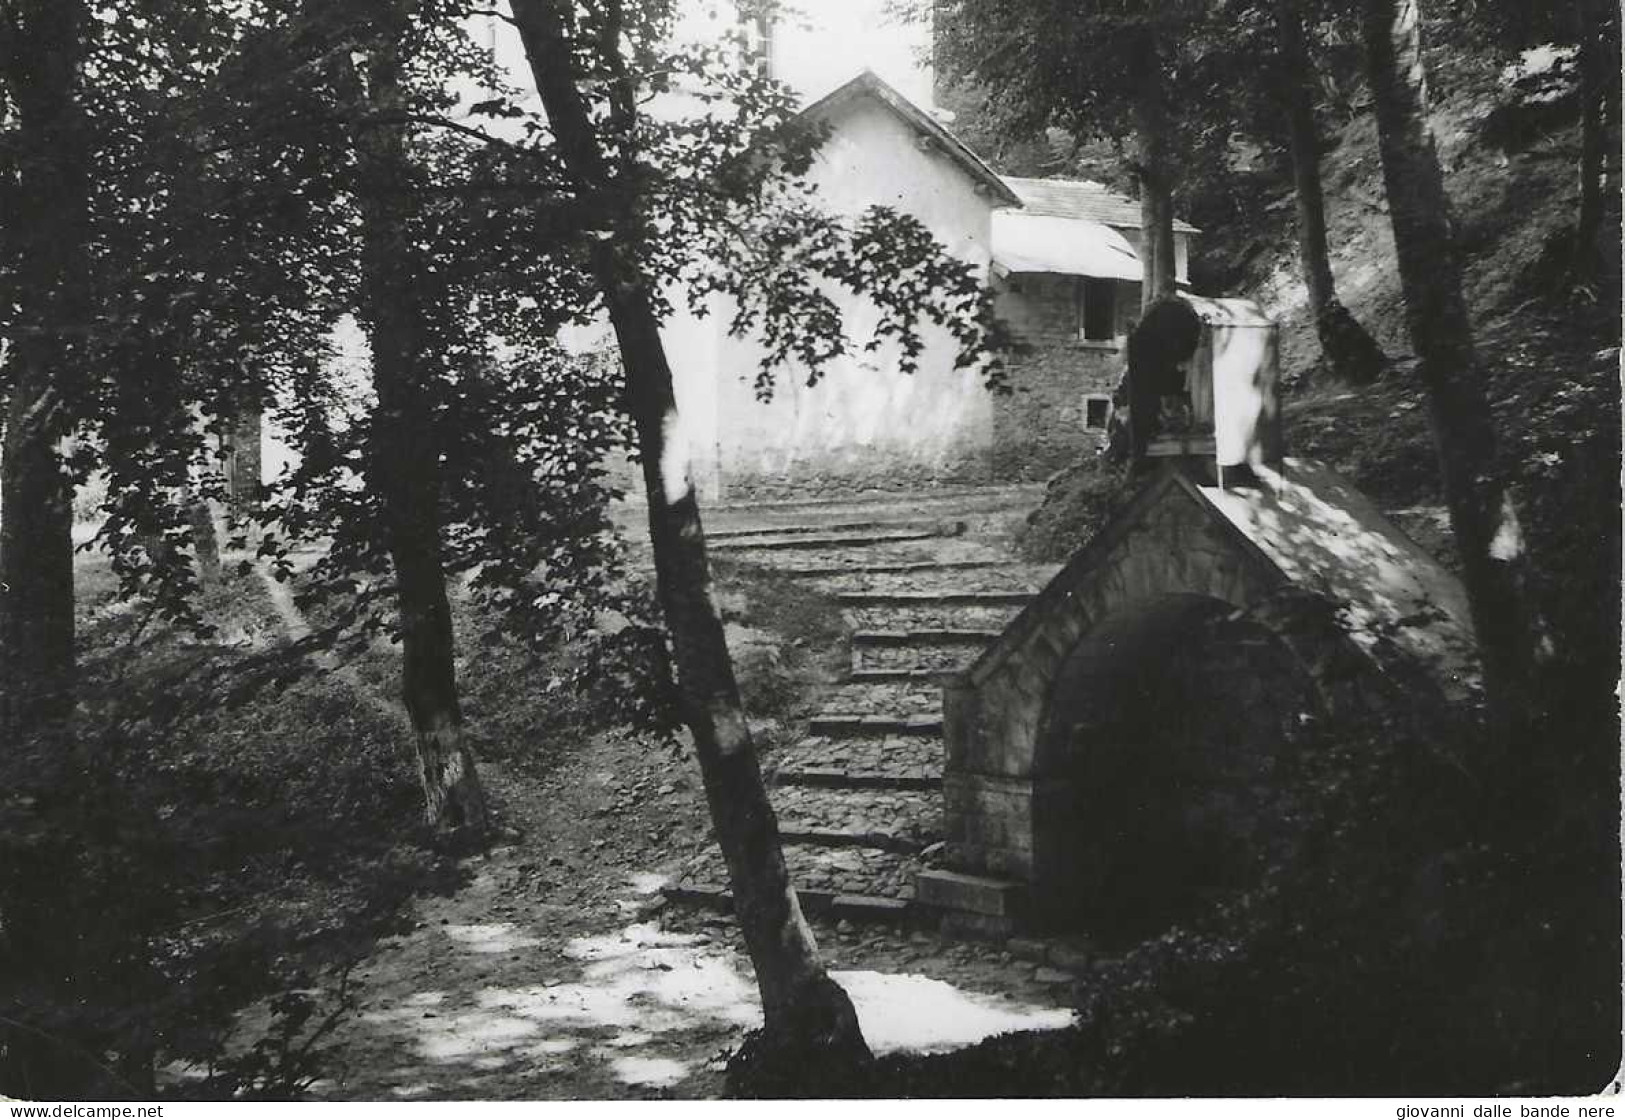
<point x="183" y="858"/>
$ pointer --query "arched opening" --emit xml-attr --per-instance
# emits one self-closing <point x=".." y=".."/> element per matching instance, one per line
<point x="1166" y="730"/>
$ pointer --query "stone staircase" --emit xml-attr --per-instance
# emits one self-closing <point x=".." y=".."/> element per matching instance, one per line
<point x="859" y="796"/>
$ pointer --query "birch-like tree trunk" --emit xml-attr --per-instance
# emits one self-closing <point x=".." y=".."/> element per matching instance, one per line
<point x="803" y="1009"/>
<point x="402" y="463"/>
<point x="1483" y="513"/>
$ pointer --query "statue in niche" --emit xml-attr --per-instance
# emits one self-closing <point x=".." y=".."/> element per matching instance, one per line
<point x="1152" y="395"/>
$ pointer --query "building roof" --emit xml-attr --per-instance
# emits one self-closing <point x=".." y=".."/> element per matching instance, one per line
<point x="1028" y="243"/>
<point x="870" y="84"/>
<point x="1079" y="198"/>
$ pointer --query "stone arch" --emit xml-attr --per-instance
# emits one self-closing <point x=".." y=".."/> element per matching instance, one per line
<point x="1169" y="560"/>
<point x="1161" y="743"/>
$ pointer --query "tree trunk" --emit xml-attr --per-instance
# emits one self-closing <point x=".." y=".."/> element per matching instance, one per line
<point x="41" y="55"/>
<point x="241" y="443"/>
<point x="1153" y="170"/>
<point x="1597" y="70"/>
<point x="205" y="539"/>
<point x="805" y="1012"/>
<point x="1483" y="514"/>
<point x="402" y="461"/>
<point x="47" y="232"/>
<point x="1350" y="351"/>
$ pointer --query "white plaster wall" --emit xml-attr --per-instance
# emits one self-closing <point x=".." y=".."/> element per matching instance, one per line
<point x="692" y="352"/>
<point x="866" y="423"/>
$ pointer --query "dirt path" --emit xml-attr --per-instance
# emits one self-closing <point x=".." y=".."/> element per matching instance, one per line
<point x="559" y="971"/>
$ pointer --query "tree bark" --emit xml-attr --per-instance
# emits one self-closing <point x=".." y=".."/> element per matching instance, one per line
<point x="804" y="1010"/>
<point x="241" y="443"/>
<point x="402" y="461"/>
<point x="1597" y="72"/>
<point x="42" y="53"/>
<point x="205" y="538"/>
<point x="1351" y="352"/>
<point x="42" y="48"/>
<point x="1483" y="513"/>
<point x="1152" y="168"/>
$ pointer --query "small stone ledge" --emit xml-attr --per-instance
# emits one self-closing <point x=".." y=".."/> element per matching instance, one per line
<point x="829" y="777"/>
<point x="956" y="892"/>
<point x="793" y="833"/>
<point x="848" y="724"/>
<point x="807" y="543"/>
<point x="938" y="636"/>
<point x="935" y="598"/>
<point x="814" y="903"/>
<point x="883" y="567"/>
<point x="892" y="676"/>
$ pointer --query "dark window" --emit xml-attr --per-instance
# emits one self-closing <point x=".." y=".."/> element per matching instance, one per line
<point x="1099" y="310"/>
<point x="1095" y="410"/>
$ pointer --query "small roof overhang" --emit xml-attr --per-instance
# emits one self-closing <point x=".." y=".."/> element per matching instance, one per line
<point x="1026" y="243"/>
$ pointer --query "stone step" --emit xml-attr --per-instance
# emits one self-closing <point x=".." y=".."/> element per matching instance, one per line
<point x="837" y="777"/>
<point x="976" y="636"/>
<point x="937" y="676"/>
<point x="783" y="544"/>
<point x="818" y="529"/>
<point x="820" y="874"/>
<point x="833" y="817"/>
<point x="935" y="598"/>
<point x="912" y="762"/>
<point x="858" y="566"/>
<point x="922" y="656"/>
<point x="897" y="699"/>
<point x="929" y="616"/>
<point x="857" y="724"/>
<point x="813" y="903"/>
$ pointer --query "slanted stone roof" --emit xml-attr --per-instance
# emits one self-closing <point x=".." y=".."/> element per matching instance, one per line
<point x="1079" y="198"/>
<point x="1327" y="537"/>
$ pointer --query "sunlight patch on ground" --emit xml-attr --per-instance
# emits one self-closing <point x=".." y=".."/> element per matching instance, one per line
<point x="554" y="1046"/>
<point x="643" y="992"/>
<point x="468" y="1035"/>
<point x="499" y="937"/>
<point x="655" y="1072"/>
<point x="416" y="1089"/>
<point x="902" y="1011"/>
<point x="647" y="882"/>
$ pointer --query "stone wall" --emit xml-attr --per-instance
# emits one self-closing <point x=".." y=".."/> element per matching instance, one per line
<point x="1050" y="692"/>
<point x="865" y="424"/>
<point x="1122" y="730"/>
<point x="1046" y="423"/>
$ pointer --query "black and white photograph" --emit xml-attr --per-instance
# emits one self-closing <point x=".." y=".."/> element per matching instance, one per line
<point x="714" y="550"/>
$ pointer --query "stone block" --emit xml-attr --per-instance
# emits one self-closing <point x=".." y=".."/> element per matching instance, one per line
<point x="869" y="907"/>
<point x="1072" y="957"/>
<point x="975" y="894"/>
<point x="964" y="926"/>
<point x="1027" y="949"/>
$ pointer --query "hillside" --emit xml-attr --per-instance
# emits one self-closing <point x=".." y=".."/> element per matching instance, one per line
<point x="1550" y="355"/>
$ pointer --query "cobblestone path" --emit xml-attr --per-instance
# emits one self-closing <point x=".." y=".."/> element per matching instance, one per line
<point x="924" y="585"/>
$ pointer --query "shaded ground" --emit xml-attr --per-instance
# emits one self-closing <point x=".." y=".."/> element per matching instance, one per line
<point x="555" y="974"/>
<point x="560" y="971"/>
